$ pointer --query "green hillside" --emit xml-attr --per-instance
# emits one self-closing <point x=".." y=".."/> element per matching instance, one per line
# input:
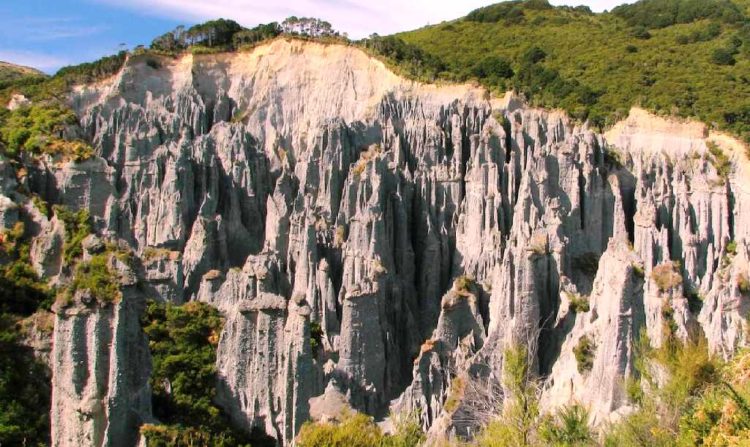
<point x="684" y="57"/>
<point x="13" y="73"/>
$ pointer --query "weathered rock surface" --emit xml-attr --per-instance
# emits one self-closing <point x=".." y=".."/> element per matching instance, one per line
<point x="459" y="335"/>
<point x="100" y="369"/>
<point x="312" y="195"/>
<point x="612" y="327"/>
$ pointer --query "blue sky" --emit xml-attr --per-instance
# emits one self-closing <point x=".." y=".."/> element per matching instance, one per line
<point x="49" y="34"/>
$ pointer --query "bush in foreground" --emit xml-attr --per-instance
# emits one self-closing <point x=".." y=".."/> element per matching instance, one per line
<point x="359" y="430"/>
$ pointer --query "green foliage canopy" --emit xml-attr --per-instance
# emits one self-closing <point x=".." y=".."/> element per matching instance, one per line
<point x="693" y="63"/>
<point x="183" y="341"/>
<point x="664" y="13"/>
<point x="359" y="430"/>
<point x="24" y="390"/>
<point x="24" y="380"/>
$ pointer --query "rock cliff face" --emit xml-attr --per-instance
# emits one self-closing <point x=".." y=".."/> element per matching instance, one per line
<point x="100" y="368"/>
<point x="423" y="229"/>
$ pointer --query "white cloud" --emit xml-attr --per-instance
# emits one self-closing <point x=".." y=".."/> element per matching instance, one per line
<point x="40" y="61"/>
<point x="359" y="18"/>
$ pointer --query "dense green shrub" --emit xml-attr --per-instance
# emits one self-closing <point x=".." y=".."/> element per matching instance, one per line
<point x="24" y="381"/>
<point x="513" y="11"/>
<point x="77" y="227"/>
<point x="21" y="290"/>
<point x="731" y="248"/>
<point x="96" y="276"/>
<point x="723" y="56"/>
<point x="355" y="430"/>
<point x="24" y="390"/>
<point x="663" y="13"/>
<point x="493" y="70"/>
<point x="695" y="301"/>
<point x="160" y="435"/>
<point x="533" y="55"/>
<point x="721" y="415"/>
<point x="720" y="161"/>
<point x="568" y="427"/>
<point x="640" y="32"/>
<point x="689" y="371"/>
<point x="539" y="83"/>
<point x="359" y="430"/>
<point x="183" y="341"/>
<point x="39" y="129"/>
<point x="579" y="303"/>
<point x="712" y="31"/>
<point x="413" y="59"/>
<point x="10" y="73"/>
<point x="51" y="91"/>
<point x="510" y="12"/>
<point x="92" y="71"/>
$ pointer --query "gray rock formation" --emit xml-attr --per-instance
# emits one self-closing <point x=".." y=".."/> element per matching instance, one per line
<point x="459" y="335"/>
<point x="306" y="191"/>
<point x="612" y="326"/>
<point x="100" y="368"/>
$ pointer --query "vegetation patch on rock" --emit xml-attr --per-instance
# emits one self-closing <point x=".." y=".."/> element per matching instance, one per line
<point x="183" y="341"/>
<point x="667" y="276"/>
<point x="94" y="277"/>
<point x="578" y="303"/>
<point x="584" y="352"/>
<point x="40" y="129"/>
<point x="77" y="227"/>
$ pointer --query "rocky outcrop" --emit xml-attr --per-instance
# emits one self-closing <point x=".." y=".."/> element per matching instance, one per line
<point x="598" y="353"/>
<point x="459" y="335"/>
<point x="264" y="355"/>
<point x="100" y="368"/>
<point x="371" y="239"/>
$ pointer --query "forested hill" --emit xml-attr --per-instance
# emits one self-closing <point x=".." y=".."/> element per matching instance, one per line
<point x="13" y="73"/>
<point x="684" y="57"/>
